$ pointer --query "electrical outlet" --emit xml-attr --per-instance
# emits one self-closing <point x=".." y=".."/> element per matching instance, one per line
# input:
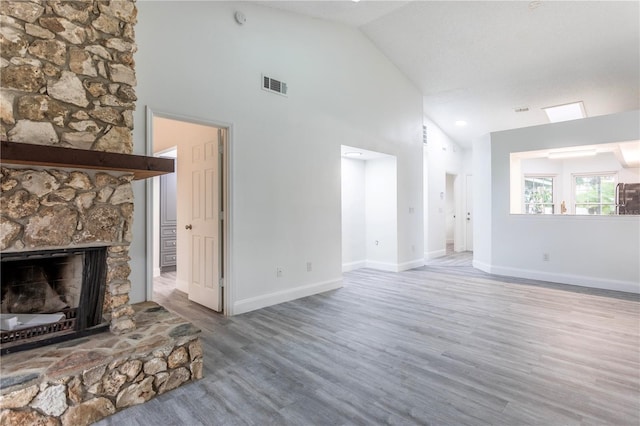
<point x="545" y="257"/>
<point x="309" y="266"/>
<point x="279" y="272"/>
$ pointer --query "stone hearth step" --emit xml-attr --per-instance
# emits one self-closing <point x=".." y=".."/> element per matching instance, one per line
<point x="81" y="381"/>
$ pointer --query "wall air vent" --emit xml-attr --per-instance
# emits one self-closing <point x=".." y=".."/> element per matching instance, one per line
<point x="424" y="134"/>
<point x="274" y="86"/>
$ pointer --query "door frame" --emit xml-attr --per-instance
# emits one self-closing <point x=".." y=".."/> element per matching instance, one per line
<point x="468" y="211"/>
<point x="228" y="291"/>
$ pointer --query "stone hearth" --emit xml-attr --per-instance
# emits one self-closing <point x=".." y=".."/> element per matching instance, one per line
<point x="81" y="381"/>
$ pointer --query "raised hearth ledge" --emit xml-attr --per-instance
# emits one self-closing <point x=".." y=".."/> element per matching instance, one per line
<point x="142" y="167"/>
<point x="83" y="380"/>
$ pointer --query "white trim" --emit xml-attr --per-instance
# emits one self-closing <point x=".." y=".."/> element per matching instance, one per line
<point x="259" y="302"/>
<point x="382" y="266"/>
<point x="415" y="263"/>
<point x="579" y="280"/>
<point x="352" y="266"/>
<point x="484" y="267"/>
<point x="395" y="267"/>
<point x="156" y="272"/>
<point x="435" y="254"/>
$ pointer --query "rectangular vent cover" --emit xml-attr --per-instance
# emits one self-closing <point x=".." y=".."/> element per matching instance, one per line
<point x="275" y="86"/>
<point x="424" y="134"/>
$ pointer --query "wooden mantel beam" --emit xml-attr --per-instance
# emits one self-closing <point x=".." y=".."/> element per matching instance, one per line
<point x="142" y="167"/>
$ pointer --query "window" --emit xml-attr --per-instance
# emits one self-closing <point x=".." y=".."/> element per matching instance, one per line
<point x="595" y="194"/>
<point x="538" y="194"/>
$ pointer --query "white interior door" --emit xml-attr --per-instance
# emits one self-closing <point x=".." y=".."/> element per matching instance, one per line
<point x="469" y="214"/>
<point x="204" y="225"/>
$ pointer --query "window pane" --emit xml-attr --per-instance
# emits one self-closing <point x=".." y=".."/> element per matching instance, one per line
<point x="595" y="194"/>
<point x="538" y="195"/>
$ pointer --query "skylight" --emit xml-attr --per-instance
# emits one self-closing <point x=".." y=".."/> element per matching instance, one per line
<point x="565" y="112"/>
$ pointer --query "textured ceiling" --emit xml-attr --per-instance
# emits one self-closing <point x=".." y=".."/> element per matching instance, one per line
<point x="479" y="60"/>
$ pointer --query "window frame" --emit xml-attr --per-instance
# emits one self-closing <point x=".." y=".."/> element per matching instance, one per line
<point x="554" y="182"/>
<point x="574" y="200"/>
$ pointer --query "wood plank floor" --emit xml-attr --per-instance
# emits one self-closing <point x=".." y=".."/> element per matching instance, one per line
<point x="442" y="345"/>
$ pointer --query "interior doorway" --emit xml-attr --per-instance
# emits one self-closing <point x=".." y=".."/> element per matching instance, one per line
<point x="369" y="210"/>
<point x="199" y="249"/>
<point x="469" y="213"/>
<point x="450" y="213"/>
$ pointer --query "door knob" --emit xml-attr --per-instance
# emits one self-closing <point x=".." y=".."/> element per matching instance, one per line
<point x="188" y="227"/>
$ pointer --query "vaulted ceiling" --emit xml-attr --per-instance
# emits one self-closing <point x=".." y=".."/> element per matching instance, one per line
<point x="479" y="61"/>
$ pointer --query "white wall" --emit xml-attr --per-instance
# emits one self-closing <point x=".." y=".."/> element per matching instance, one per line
<point x="599" y="251"/>
<point x="450" y="208"/>
<point x="441" y="156"/>
<point x="381" y="193"/>
<point x="354" y="229"/>
<point x="370" y="214"/>
<point x="482" y="202"/>
<point x="195" y="61"/>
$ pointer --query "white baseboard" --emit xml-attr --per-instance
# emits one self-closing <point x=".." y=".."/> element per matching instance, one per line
<point x="258" y="302"/>
<point x="434" y="254"/>
<point x="405" y="266"/>
<point x="579" y="280"/>
<point x="485" y="267"/>
<point x="352" y="266"/>
<point x="382" y="266"/>
<point x="156" y="272"/>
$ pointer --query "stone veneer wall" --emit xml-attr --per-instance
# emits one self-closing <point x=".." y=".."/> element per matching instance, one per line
<point x="54" y="208"/>
<point x="67" y="73"/>
<point x="67" y="79"/>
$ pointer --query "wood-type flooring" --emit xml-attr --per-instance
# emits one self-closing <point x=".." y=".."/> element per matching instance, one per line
<point x="444" y="344"/>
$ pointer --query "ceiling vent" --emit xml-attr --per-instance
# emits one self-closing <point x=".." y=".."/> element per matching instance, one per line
<point x="424" y="134"/>
<point x="274" y="86"/>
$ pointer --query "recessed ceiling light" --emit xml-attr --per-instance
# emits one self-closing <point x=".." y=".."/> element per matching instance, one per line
<point x="566" y="112"/>
<point x="461" y="123"/>
<point x="352" y="154"/>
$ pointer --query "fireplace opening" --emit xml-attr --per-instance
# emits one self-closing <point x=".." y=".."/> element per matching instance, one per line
<point x="50" y="296"/>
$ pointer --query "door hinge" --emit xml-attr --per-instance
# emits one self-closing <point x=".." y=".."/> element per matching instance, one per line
<point x="220" y="147"/>
<point x="221" y="216"/>
<point x="221" y="282"/>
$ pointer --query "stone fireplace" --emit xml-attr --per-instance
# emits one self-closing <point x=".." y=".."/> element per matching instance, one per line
<point x="48" y="210"/>
<point x="49" y="296"/>
<point x="67" y="98"/>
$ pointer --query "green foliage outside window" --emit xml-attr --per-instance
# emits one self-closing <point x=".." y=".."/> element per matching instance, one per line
<point x="595" y="194"/>
<point x="538" y="195"/>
